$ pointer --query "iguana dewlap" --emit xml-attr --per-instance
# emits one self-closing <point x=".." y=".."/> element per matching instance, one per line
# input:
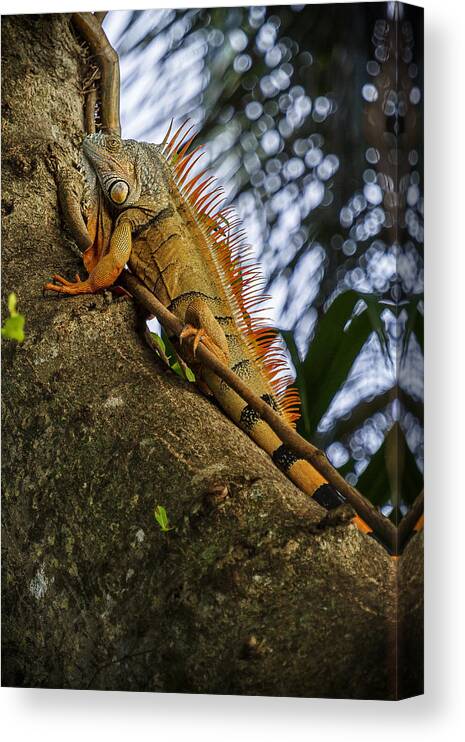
<point x="142" y="206"/>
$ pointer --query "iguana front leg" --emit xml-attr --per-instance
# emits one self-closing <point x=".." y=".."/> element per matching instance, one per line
<point x="105" y="272"/>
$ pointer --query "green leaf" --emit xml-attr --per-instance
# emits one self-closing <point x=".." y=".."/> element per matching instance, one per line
<point x="176" y="367"/>
<point x="374" y="309"/>
<point x="158" y="341"/>
<point x="189" y="374"/>
<point x="414" y="324"/>
<point x="162" y="519"/>
<point x="373" y="483"/>
<point x="333" y="352"/>
<point x="392" y="474"/>
<point x="12" y="301"/>
<point x="181" y="369"/>
<point x="13" y="327"/>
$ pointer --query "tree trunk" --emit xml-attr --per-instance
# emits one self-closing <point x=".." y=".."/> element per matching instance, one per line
<point x="257" y="590"/>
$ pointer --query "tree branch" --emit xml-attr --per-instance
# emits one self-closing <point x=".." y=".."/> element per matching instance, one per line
<point x="381" y="526"/>
<point x="91" y="30"/>
<point x="409" y="521"/>
<point x="100" y="15"/>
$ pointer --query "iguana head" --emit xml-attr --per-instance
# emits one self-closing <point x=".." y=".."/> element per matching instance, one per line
<point x="114" y="161"/>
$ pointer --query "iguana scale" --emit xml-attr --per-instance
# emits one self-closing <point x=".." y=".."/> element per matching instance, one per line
<point x="140" y="204"/>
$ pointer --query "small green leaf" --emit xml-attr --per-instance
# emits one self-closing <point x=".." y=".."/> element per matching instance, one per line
<point x="181" y="369"/>
<point x="190" y="374"/>
<point x="160" y="347"/>
<point x="162" y="519"/>
<point x="158" y="341"/>
<point x="13" y="327"/>
<point x="12" y="301"/>
<point x="176" y="367"/>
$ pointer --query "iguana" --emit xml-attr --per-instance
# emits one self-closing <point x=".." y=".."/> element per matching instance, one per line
<point x="140" y="204"/>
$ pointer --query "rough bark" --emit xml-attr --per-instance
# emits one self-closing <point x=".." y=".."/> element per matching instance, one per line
<point x="258" y="590"/>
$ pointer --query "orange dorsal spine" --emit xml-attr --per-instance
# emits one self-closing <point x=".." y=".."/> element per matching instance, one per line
<point x="243" y="278"/>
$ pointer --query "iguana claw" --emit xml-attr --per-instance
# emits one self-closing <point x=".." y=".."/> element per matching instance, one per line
<point x="65" y="282"/>
<point x="200" y="334"/>
<point x="63" y="286"/>
<point x="197" y="333"/>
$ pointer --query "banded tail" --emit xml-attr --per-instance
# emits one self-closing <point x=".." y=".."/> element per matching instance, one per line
<point x="299" y="471"/>
<point x="256" y="352"/>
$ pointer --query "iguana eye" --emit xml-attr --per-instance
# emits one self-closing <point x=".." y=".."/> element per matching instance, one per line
<point x="119" y="192"/>
<point x="113" y="143"/>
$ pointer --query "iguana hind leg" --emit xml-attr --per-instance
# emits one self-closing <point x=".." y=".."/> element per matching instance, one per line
<point x="105" y="272"/>
<point x="200" y="324"/>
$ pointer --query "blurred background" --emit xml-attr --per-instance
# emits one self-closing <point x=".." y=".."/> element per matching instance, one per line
<point x="312" y="119"/>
